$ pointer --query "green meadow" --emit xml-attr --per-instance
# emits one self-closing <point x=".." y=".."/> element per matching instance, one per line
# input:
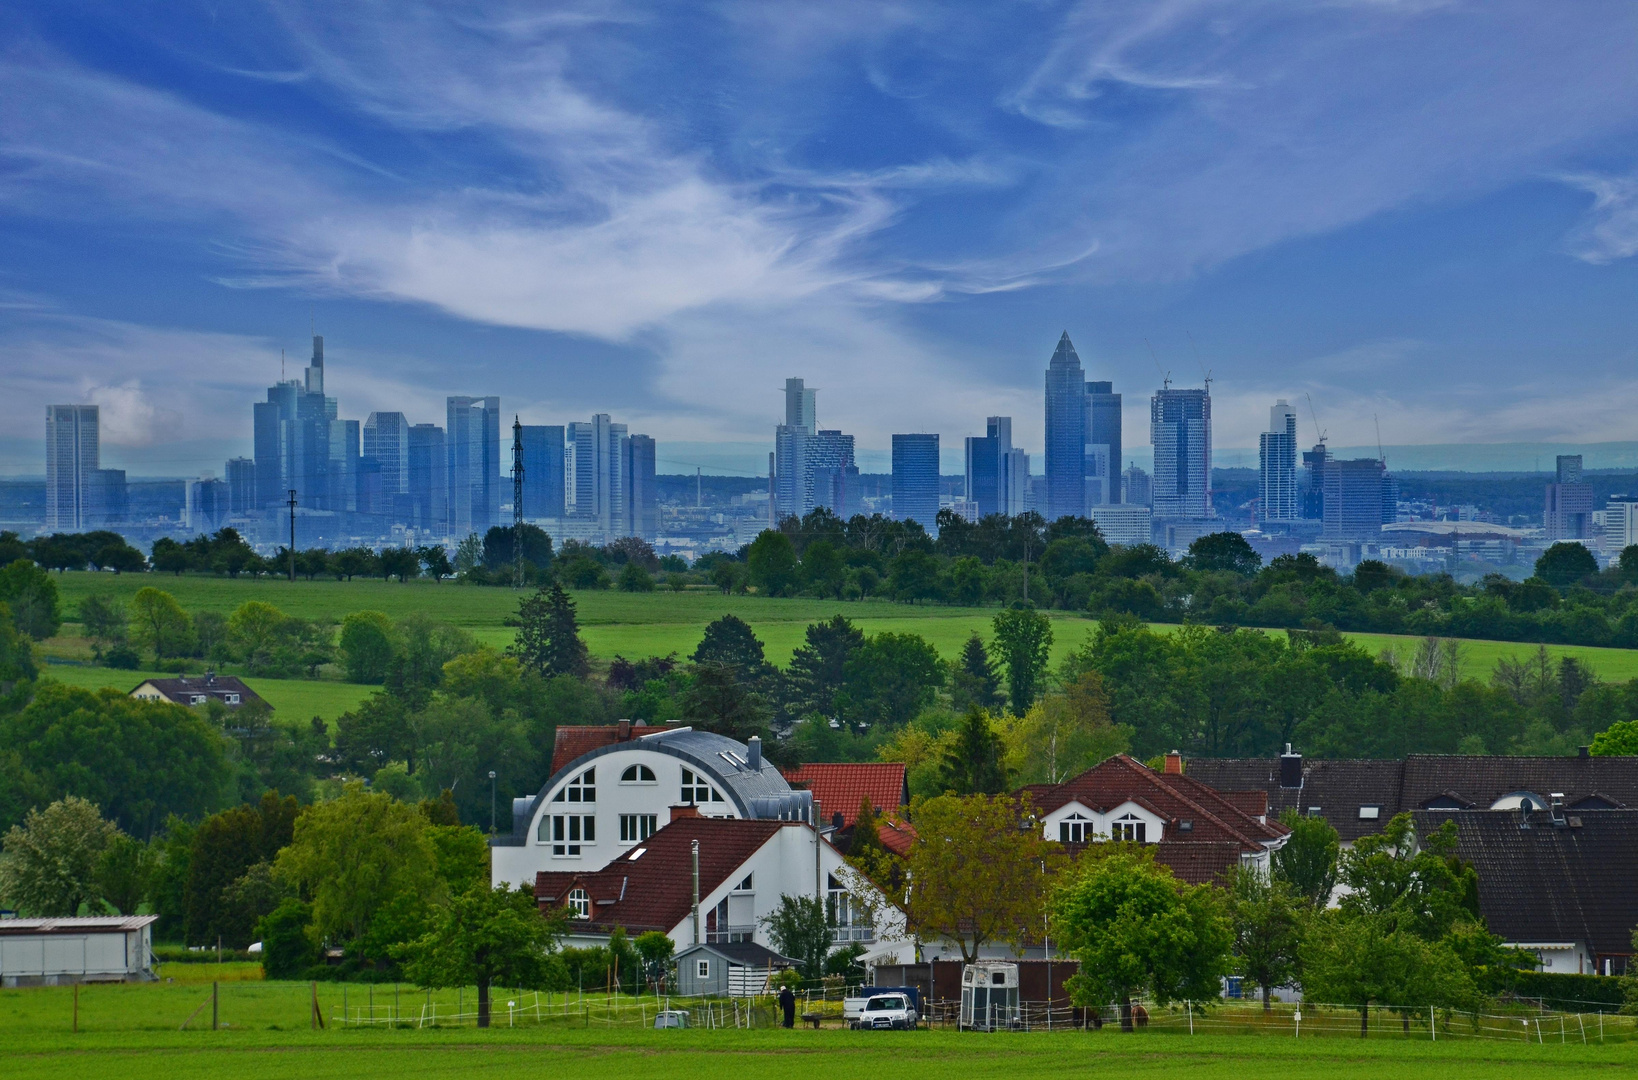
<point x="615" y="623"/>
<point x="133" y="1032"/>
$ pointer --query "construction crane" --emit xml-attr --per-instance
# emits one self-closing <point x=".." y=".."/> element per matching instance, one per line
<point x="1315" y="417"/>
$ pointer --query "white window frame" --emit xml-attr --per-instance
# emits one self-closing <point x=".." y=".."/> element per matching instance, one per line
<point x="697" y="789"/>
<point x="638" y="774"/>
<point x="1129" y="828"/>
<point x="702" y="969"/>
<point x="635" y="828"/>
<point x="579" y="904"/>
<point x="580" y="789"/>
<point x="1076" y="822"/>
<point x="570" y="833"/>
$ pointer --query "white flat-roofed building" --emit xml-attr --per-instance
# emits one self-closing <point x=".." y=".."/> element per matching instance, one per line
<point x="58" y="952"/>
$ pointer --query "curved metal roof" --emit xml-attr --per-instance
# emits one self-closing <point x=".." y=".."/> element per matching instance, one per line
<point x="756" y="793"/>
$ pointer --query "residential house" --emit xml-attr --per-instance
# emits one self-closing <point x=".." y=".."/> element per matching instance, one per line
<point x="745" y="866"/>
<point x="199" y="690"/>
<point x="1200" y="832"/>
<point x="840" y="788"/>
<point x="613" y="786"/>
<point x="1555" y="881"/>
<point x="1358" y="797"/>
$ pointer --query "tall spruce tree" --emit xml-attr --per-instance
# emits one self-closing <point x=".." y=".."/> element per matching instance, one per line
<point x="819" y="668"/>
<point x="548" y="634"/>
<point x="976" y="681"/>
<point x="973" y="765"/>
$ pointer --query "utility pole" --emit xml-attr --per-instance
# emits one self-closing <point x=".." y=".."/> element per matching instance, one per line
<point x="292" y="535"/>
<point x="491" y="802"/>
<point x="517" y="503"/>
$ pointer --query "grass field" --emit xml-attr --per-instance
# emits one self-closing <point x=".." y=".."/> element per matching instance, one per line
<point x="132" y="1032"/>
<point x="628" y="624"/>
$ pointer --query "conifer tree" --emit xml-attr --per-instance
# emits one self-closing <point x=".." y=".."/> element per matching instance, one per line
<point x="976" y="681"/>
<point x="973" y="765"/>
<point x="548" y="638"/>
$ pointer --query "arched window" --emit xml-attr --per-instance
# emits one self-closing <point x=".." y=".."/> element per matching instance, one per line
<point x="579" y="904"/>
<point x="696" y="789"/>
<point x="1130" y="828"/>
<point x="582" y="788"/>
<point x="637" y="774"/>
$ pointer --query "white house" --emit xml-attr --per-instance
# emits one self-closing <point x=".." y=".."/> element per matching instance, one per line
<point x="744" y="868"/>
<point x="614" y="786"/>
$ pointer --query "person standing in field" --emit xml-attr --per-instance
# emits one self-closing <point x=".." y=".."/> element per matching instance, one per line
<point x="787" y="1005"/>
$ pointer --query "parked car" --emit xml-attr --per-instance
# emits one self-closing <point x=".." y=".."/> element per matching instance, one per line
<point x="887" y="1012"/>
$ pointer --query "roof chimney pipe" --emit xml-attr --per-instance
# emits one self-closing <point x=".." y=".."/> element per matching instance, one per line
<point x="753" y="752"/>
<point x="696" y="852"/>
<point x="1290" y="769"/>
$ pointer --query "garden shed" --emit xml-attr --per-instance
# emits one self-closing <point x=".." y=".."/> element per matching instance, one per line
<point x="733" y="969"/>
<point x="57" y="952"/>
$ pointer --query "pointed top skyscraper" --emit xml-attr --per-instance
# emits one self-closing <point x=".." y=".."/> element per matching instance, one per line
<point x="1065" y="433"/>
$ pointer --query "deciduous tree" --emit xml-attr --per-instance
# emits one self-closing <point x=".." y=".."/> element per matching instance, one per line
<point x="1307" y="861"/>
<point x="1023" y="639"/>
<point x="1269" y="919"/>
<point x="32" y="596"/>
<point x="483" y="938"/>
<point x="50" y="862"/>
<point x="159" y="623"/>
<point x="367" y="646"/>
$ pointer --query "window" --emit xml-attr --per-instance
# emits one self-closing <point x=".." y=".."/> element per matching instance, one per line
<point x="570" y="832"/>
<point x="747" y="885"/>
<point x="703" y="969"/>
<point x="1370" y="813"/>
<point x="696" y="789"/>
<point x="1130" y="829"/>
<point x="196" y="699"/>
<point x="637" y="774"/>
<point x="1185" y="826"/>
<point x="1076" y="829"/>
<point x="579" y="904"/>
<point x="638" y="854"/>
<point x="635" y="828"/>
<point x="1314" y="811"/>
<point x="231" y="699"/>
<point x="849" y="919"/>
<point x="582" y="788"/>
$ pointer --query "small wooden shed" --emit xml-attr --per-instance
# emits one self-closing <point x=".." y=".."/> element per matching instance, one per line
<point x="732" y="969"/>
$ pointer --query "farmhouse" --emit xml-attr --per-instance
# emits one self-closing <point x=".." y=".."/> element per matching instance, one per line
<point x="227" y="689"/>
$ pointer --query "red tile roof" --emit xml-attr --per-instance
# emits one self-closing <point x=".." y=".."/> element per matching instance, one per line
<point x="1171" y="796"/>
<point x="574" y="740"/>
<point x="655" y="892"/>
<point x="841" y="787"/>
<point x="896" y="834"/>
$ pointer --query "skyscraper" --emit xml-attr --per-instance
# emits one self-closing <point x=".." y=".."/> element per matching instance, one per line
<point x="292" y="438"/>
<point x="1012" y="467"/>
<point x="543" y="475"/>
<point x="107" y="498"/>
<point x="342" y="477"/>
<point x="207" y="505"/>
<point x="472" y="449"/>
<point x="1567" y="513"/>
<point x="833" y="478"/>
<point x="1277" y="451"/>
<point x="428" y="469"/>
<point x="984" y="477"/>
<point x="1139" y="487"/>
<point x="1065" y="433"/>
<point x="1314" y="464"/>
<point x="915" y="479"/>
<point x="643" y="515"/>
<point x="1103" y="445"/>
<point x="73" y="452"/>
<point x="241" y="482"/>
<point x="386" y="439"/>
<point x="619" y="518"/>
<point x="1356" y="493"/>
<point x="1180" y="431"/>
<point x="588" y="447"/>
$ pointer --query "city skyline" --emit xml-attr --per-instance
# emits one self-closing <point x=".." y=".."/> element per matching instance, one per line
<point x="1406" y="211"/>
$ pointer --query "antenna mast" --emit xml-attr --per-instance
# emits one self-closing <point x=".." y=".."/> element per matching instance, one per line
<point x="1380" y="456"/>
<point x="517" y="502"/>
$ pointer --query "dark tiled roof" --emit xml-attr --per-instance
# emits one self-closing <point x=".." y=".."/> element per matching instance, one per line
<point x="743" y="953"/>
<point x="654" y="892"/>
<point x="1198" y="862"/>
<point x="1552" y="883"/>
<point x="1170" y="796"/>
<point x="182" y="689"/>
<point x="1339" y="788"/>
<point x="841" y="787"/>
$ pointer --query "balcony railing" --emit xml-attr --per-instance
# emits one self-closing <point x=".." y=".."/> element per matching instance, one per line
<point x="727" y="934"/>
<point x="842" y="934"/>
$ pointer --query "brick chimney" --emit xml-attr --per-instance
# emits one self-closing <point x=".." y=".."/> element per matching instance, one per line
<point x="1174" y="763"/>
<point x="623" y="731"/>
<point x="684" y="811"/>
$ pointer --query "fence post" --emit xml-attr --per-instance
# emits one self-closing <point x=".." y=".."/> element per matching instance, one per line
<point x="1433" y="1031"/>
<point x="1190" y="1005"/>
<point x="213" y="1014"/>
<point x="76" y="1008"/>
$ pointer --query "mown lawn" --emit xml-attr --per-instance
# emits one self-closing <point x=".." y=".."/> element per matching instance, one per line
<point x="292" y="699"/>
<point x="132" y="1032"/>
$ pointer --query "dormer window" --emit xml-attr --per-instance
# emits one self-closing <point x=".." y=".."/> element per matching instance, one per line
<point x="579" y="904"/>
<point x="638" y="774"/>
<point x="231" y="699"/>
<point x="1075" y="829"/>
<point x="582" y="788"/>
<point x="196" y="699"/>
<point x="696" y="789"/>
<point x="1129" y="828"/>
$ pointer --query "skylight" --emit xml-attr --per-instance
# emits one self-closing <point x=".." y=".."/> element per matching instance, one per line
<point x="638" y="854"/>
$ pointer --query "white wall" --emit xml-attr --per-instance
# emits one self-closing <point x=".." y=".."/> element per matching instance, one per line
<point x="1101" y="822"/>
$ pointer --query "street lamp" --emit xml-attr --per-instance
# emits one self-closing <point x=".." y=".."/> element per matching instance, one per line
<point x="491" y="802"/>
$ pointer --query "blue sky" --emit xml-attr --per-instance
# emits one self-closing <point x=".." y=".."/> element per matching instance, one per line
<point x="1423" y="214"/>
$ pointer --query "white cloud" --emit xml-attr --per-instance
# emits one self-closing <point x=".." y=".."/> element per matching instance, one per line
<point x="1611" y="229"/>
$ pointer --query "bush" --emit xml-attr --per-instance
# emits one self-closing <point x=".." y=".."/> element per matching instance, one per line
<point x="287" y="949"/>
<point x="1571" y="993"/>
<point x="122" y="657"/>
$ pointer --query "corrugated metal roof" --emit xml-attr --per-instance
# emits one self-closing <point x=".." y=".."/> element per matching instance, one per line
<point x="107" y="924"/>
